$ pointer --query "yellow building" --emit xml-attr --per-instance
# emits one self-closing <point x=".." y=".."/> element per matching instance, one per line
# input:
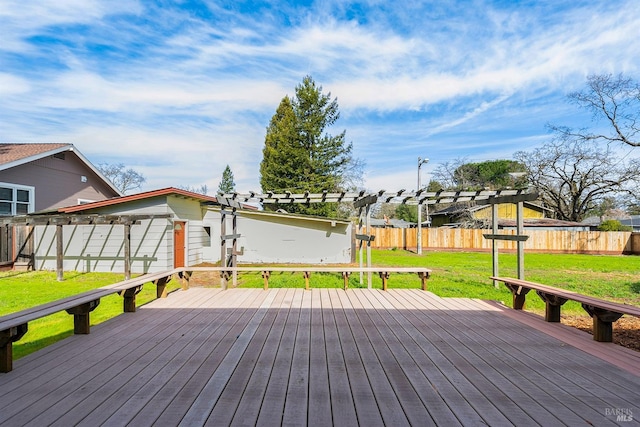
<point x="459" y="213"/>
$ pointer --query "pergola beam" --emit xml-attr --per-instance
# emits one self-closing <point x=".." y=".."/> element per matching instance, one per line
<point x="71" y="219"/>
<point x="361" y="198"/>
<point x="60" y="220"/>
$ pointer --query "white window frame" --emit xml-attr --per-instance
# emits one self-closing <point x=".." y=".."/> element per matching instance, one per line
<point x="14" y="202"/>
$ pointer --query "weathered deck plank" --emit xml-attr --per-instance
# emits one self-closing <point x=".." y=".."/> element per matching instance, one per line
<point x="572" y="373"/>
<point x="319" y="389"/>
<point x="319" y="357"/>
<point x="506" y="372"/>
<point x="364" y="400"/>
<point x="275" y="394"/>
<point x="249" y="407"/>
<point x="153" y="397"/>
<point x="81" y="371"/>
<point x="520" y="361"/>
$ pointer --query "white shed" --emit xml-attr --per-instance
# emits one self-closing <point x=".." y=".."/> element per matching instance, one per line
<point x="190" y="236"/>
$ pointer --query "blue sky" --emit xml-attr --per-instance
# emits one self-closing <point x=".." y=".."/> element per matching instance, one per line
<point x="179" y="89"/>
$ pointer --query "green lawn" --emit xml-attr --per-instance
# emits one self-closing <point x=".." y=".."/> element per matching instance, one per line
<point x="466" y="274"/>
<point x="20" y="290"/>
<point x="455" y="274"/>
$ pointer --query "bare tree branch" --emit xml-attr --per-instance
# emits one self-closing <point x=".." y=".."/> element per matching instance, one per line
<point x="123" y="179"/>
<point x="614" y="99"/>
<point x="574" y="176"/>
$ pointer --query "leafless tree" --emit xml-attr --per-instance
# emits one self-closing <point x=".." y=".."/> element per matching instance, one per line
<point x="203" y="189"/>
<point x="614" y="99"/>
<point x="124" y="179"/>
<point x="447" y="176"/>
<point x="573" y="175"/>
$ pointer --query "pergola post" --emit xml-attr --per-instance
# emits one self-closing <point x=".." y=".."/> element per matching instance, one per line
<point x="520" y="243"/>
<point x="223" y="248"/>
<point x="127" y="252"/>
<point x="59" y="254"/>
<point x="369" y="274"/>
<point x="234" y="247"/>
<point x="494" y="246"/>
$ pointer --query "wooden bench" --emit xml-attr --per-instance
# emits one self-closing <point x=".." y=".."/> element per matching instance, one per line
<point x="15" y="325"/>
<point x="383" y="272"/>
<point x="603" y="313"/>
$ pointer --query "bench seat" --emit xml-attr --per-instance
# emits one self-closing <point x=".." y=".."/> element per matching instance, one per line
<point x="604" y="313"/>
<point x="14" y="326"/>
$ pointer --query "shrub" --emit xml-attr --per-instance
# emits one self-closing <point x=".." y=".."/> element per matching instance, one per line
<point x="613" y="225"/>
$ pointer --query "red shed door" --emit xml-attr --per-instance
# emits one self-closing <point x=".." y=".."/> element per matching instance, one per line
<point x="178" y="243"/>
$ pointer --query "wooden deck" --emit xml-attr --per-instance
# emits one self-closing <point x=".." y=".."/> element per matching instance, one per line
<point x="319" y="357"/>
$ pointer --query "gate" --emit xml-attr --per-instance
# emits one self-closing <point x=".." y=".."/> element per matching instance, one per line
<point x="16" y="246"/>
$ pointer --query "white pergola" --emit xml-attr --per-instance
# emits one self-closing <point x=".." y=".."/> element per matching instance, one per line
<point x="363" y="201"/>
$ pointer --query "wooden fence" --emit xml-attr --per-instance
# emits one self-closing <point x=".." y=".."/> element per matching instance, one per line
<point x="16" y="245"/>
<point x="588" y="242"/>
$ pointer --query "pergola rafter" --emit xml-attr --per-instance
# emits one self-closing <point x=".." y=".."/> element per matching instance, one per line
<point x="363" y="201"/>
<point x="411" y="197"/>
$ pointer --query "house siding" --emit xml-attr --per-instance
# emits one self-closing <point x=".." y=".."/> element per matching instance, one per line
<point x="265" y="238"/>
<point x="272" y="239"/>
<point x="94" y="247"/>
<point x="58" y="182"/>
<point x="151" y="238"/>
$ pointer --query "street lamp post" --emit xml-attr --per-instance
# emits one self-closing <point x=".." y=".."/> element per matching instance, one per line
<point x="421" y="161"/>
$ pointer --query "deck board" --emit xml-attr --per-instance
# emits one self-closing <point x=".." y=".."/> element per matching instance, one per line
<point x="366" y="406"/>
<point x="570" y="373"/>
<point x="319" y="357"/>
<point x="511" y="373"/>
<point x="520" y="354"/>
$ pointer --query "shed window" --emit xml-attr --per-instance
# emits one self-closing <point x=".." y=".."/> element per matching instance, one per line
<point x="206" y="241"/>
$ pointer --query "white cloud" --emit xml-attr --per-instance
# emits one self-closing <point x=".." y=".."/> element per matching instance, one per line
<point x="182" y="95"/>
<point x="22" y="19"/>
<point x="13" y="85"/>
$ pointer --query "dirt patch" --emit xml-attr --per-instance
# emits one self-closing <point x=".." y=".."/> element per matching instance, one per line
<point x="626" y="331"/>
<point x="206" y="279"/>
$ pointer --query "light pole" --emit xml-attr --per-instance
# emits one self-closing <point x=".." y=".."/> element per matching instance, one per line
<point x="421" y="161"/>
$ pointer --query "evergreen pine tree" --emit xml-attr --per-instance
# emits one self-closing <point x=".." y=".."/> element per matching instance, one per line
<point x="227" y="185"/>
<point x="298" y="155"/>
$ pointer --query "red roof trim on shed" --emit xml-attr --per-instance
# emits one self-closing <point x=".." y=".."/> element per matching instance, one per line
<point x="139" y="196"/>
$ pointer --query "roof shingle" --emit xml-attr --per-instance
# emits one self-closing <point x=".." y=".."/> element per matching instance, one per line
<point x="14" y="152"/>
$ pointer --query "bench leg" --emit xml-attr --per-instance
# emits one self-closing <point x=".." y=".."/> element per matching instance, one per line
<point x="7" y="338"/>
<point x="265" y="277"/>
<point x="602" y="322"/>
<point x="129" y="304"/>
<point x="519" y="295"/>
<point x="553" y="306"/>
<point x="161" y="287"/>
<point x="384" y="275"/>
<point x="81" y="321"/>
<point x="423" y="278"/>
<point x="345" y="277"/>
<point x="306" y="275"/>
<point x="185" y="276"/>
